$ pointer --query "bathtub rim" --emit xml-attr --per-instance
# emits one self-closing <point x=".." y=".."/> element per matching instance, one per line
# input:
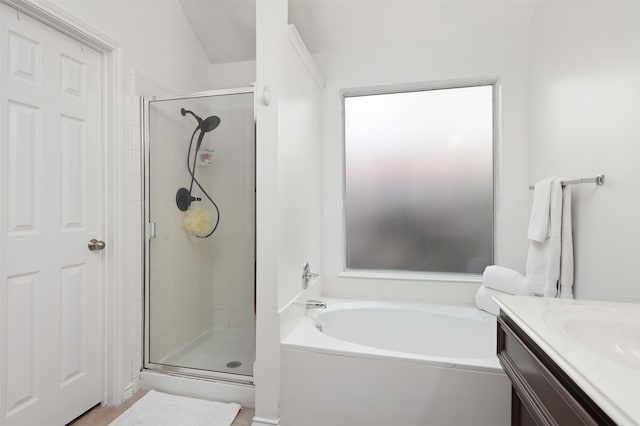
<point x="305" y="337"/>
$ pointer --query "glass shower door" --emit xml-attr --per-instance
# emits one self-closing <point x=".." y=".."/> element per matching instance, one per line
<point x="200" y="239"/>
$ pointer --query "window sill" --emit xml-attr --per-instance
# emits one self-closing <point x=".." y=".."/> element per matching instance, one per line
<point x="412" y="276"/>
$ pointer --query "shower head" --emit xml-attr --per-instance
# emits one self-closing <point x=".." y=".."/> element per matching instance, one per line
<point x="206" y="125"/>
<point x="210" y="123"/>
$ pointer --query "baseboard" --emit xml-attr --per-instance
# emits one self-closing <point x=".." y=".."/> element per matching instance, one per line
<point x="261" y="421"/>
<point x="136" y="383"/>
<point x="127" y="392"/>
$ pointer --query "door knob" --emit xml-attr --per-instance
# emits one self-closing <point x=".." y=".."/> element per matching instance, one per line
<point x="96" y="245"/>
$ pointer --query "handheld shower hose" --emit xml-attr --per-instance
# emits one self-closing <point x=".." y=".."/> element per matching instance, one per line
<point x="183" y="196"/>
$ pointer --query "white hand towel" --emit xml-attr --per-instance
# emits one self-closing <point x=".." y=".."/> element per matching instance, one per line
<point x="484" y="301"/>
<point x="543" y="259"/>
<point x="539" y="223"/>
<point x="503" y="279"/>
<point x="566" y="247"/>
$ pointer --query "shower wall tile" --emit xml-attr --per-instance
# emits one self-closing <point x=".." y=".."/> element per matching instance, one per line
<point x="136" y="230"/>
<point x="221" y="317"/>
<point x="135" y="108"/>
<point x="159" y="207"/>
<point x="135" y="192"/>
<point x="138" y="339"/>
<point x="137" y="355"/>
<point x="240" y="318"/>
<point x="136" y="336"/>
<point x="136" y="138"/>
<point x="206" y="306"/>
<point x="135" y="167"/>
<point x="136" y="220"/>
<point x="136" y="270"/>
<point x="163" y="333"/>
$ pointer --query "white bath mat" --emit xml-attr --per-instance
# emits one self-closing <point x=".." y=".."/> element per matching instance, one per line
<point x="161" y="409"/>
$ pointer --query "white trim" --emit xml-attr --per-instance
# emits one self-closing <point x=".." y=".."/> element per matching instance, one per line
<point x="115" y="318"/>
<point x="410" y="276"/>
<point x="56" y="18"/>
<point x="216" y="92"/>
<point x="497" y="170"/>
<point x="128" y="391"/>
<point x="306" y="58"/>
<point x="420" y="86"/>
<point x="114" y="385"/>
<point x="494" y="82"/>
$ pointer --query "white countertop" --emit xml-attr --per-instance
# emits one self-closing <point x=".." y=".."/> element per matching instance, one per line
<point x="596" y="343"/>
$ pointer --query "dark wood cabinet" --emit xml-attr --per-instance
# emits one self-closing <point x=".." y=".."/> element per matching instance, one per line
<point x="541" y="392"/>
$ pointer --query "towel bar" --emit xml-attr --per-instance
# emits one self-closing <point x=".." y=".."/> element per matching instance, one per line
<point x="598" y="180"/>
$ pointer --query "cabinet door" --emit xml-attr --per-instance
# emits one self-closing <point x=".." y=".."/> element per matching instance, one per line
<point x="545" y="394"/>
<point x="520" y="415"/>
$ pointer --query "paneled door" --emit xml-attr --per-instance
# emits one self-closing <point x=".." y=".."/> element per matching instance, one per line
<point x="51" y="174"/>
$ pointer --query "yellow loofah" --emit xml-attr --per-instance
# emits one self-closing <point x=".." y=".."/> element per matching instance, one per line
<point x="197" y="220"/>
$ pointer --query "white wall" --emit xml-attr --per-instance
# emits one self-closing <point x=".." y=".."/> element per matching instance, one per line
<point x="299" y="182"/>
<point x="270" y="18"/>
<point x="583" y="121"/>
<point x="158" y="43"/>
<point x="288" y="190"/>
<point x="232" y="74"/>
<point x="500" y="57"/>
<point x="156" y="37"/>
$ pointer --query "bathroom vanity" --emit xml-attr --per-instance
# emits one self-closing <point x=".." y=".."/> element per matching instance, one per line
<point x="570" y="362"/>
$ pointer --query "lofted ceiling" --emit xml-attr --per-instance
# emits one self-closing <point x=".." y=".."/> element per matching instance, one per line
<point x="226" y="28"/>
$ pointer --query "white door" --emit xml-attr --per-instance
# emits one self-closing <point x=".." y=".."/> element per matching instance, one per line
<point x="50" y="207"/>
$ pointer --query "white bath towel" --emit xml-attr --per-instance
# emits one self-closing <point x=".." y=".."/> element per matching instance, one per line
<point x="504" y="279"/>
<point x="539" y="221"/>
<point x="566" y="247"/>
<point x="484" y="301"/>
<point x="545" y="257"/>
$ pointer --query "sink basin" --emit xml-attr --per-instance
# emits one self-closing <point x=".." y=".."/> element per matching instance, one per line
<point x="612" y="333"/>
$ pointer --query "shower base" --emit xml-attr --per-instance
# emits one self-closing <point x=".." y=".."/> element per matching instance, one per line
<point x="226" y="350"/>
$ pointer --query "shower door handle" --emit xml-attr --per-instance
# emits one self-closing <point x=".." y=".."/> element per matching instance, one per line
<point x="96" y="245"/>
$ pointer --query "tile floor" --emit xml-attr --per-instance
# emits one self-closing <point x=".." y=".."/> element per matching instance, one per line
<point x="102" y="416"/>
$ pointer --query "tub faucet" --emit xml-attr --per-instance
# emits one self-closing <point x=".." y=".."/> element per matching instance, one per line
<point x="312" y="304"/>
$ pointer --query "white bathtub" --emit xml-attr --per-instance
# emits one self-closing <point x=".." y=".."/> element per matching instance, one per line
<point x="382" y="363"/>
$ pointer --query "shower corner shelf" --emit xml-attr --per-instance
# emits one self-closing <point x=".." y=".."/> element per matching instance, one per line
<point x="205" y="157"/>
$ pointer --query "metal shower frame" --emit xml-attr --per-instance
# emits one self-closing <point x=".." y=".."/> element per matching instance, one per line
<point x="148" y="232"/>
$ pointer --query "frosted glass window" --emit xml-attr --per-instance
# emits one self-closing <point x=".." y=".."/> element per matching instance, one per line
<point x="419" y="180"/>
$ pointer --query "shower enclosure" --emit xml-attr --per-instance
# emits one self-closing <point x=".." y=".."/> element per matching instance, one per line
<point x="199" y="233"/>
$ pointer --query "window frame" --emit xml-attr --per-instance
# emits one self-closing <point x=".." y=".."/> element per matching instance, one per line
<point x="420" y="87"/>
